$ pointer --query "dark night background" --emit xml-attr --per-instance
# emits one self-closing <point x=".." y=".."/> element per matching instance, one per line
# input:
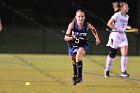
<point x="63" y="10"/>
<point x="56" y="15"/>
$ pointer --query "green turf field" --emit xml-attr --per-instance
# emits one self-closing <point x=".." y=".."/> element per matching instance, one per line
<point x="53" y="73"/>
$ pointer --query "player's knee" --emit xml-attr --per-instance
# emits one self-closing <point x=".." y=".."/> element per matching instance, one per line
<point x="113" y="53"/>
<point x="78" y="58"/>
<point x="81" y="51"/>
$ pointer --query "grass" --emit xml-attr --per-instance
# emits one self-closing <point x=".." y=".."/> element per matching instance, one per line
<point x="53" y="73"/>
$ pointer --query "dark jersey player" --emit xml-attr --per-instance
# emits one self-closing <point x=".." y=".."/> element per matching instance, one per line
<point x="77" y="46"/>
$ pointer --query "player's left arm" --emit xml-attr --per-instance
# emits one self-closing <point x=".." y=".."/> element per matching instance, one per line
<point x="131" y="29"/>
<point x="128" y="27"/>
<point x="93" y="30"/>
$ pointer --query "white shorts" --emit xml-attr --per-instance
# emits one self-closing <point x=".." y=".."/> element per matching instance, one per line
<point x="117" y="40"/>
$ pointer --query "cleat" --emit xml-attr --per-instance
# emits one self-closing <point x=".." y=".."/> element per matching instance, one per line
<point x="106" y="74"/>
<point x="79" y="80"/>
<point x="124" y="74"/>
<point x="74" y="80"/>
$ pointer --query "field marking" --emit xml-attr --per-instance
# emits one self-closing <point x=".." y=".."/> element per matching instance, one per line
<point x="127" y="78"/>
<point x="21" y="80"/>
<point x="45" y="73"/>
<point x="14" y="63"/>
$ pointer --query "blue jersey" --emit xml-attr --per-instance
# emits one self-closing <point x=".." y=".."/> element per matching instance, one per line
<point x="81" y="35"/>
<point x="80" y="41"/>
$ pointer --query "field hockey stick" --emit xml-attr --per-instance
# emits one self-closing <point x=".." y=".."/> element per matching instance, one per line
<point x="129" y="36"/>
<point x="79" y="37"/>
<point x="130" y="30"/>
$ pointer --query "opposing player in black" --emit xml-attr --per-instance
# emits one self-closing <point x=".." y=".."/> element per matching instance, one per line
<point x="77" y="43"/>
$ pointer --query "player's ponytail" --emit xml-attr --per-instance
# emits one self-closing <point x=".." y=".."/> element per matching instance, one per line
<point x="117" y="6"/>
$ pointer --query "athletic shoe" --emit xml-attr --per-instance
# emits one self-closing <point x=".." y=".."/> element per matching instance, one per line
<point x="79" y="80"/>
<point x="74" y="80"/>
<point x="106" y="74"/>
<point x="124" y="74"/>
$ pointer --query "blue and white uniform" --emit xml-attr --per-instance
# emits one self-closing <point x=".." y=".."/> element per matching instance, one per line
<point x="118" y="39"/>
<point x="80" y="41"/>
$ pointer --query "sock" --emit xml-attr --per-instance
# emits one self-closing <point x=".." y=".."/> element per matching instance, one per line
<point x="109" y="61"/>
<point x="123" y="63"/>
<point x="74" y="70"/>
<point x="79" y="66"/>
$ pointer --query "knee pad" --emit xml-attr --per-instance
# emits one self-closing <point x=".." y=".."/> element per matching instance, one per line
<point x="112" y="53"/>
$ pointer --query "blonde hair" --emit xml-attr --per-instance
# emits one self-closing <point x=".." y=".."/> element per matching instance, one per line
<point x="117" y="6"/>
<point x="77" y="12"/>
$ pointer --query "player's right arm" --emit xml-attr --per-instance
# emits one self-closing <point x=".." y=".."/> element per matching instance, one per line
<point x="68" y="32"/>
<point x="111" y="25"/>
<point x="111" y="22"/>
<point x="0" y="25"/>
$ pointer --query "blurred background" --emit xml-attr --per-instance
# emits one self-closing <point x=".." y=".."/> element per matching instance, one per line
<point x="37" y="26"/>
